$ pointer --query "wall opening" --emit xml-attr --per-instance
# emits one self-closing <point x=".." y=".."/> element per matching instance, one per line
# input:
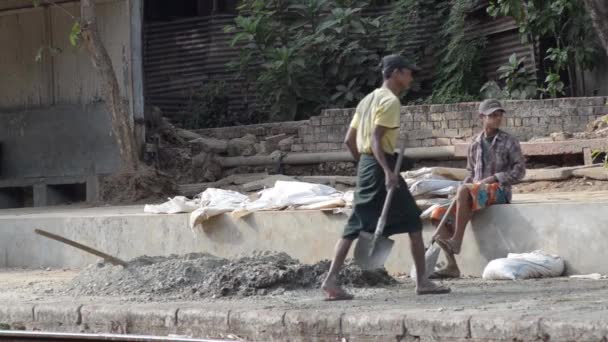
<point x="61" y="194"/>
<point x="16" y="197"/>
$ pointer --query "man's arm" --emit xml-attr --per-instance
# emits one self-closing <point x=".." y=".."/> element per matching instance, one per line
<point x="351" y="143"/>
<point x="518" y="166"/>
<point x="390" y="177"/>
<point x="470" y="165"/>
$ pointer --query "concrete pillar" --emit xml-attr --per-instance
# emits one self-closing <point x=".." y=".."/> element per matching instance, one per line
<point x="92" y="189"/>
<point x="40" y="195"/>
<point x="136" y="8"/>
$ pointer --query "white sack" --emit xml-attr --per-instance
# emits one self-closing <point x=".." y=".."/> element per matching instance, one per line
<point x="524" y="266"/>
<point x="179" y="204"/>
<point x="435" y="186"/>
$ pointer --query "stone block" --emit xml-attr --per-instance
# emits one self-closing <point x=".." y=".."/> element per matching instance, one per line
<point x="451" y="133"/>
<point x="438" y="108"/>
<point x="152" y="320"/>
<point x="585" y="111"/>
<point x="315" y="121"/>
<point x="437" y="125"/>
<point x="17" y="316"/>
<point x="422" y="117"/>
<point x="437" y="325"/>
<point x="202" y="322"/>
<point x="443" y="142"/>
<point x="322" y="147"/>
<point x="407" y="117"/>
<point x="326" y="121"/>
<point x="429" y="142"/>
<point x="517" y="122"/>
<point x="505" y="327"/>
<point x="444" y="124"/>
<point x="335" y="147"/>
<point x="436" y="117"/>
<point x="577" y="330"/>
<point x="313" y="323"/>
<point x="466" y="107"/>
<point x="297" y="148"/>
<point x="601" y="111"/>
<point x="111" y="319"/>
<point x="453" y="124"/>
<point x="369" y="326"/>
<point x="258" y="325"/>
<point x="413" y="143"/>
<point x="63" y="317"/>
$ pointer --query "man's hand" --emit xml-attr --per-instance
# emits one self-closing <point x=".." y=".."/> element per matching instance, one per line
<point x="391" y="179"/>
<point x="489" y="180"/>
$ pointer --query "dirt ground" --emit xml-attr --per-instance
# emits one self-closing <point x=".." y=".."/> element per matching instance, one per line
<point x="570" y="185"/>
<point x="574" y="297"/>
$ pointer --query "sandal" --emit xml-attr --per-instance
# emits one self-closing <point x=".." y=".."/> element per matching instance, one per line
<point x="433" y="289"/>
<point x="445" y="273"/>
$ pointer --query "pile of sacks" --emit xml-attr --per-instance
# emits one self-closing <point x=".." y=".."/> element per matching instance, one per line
<point x="431" y="186"/>
<point x="283" y="195"/>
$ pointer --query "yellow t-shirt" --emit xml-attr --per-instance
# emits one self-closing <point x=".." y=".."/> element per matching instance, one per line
<point x="380" y="108"/>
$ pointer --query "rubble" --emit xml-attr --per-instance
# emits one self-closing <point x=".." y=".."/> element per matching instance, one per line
<point x="199" y="275"/>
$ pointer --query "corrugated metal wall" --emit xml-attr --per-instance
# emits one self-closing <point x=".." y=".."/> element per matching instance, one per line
<point x="183" y="54"/>
<point x="69" y="77"/>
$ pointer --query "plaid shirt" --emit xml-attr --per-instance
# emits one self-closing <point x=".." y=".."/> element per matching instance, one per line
<point x="506" y="161"/>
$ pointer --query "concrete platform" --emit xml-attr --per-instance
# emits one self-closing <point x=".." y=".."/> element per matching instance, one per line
<point x="571" y="225"/>
<point x="536" y="310"/>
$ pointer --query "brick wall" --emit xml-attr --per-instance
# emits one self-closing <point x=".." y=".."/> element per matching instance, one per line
<point x="260" y="130"/>
<point x="434" y="125"/>
<point x="440" y="125"/>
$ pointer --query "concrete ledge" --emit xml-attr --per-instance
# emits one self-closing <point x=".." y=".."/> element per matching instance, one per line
<point x="322" y="324"/>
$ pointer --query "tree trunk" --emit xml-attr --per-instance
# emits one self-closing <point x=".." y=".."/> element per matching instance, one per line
<point x="598" y="11"/>
<point x="122" y="126"/>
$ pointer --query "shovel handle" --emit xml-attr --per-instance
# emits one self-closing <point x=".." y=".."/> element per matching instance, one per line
<point x="389" y="197"/>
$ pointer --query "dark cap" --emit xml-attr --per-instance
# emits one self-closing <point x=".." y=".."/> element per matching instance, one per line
<point x="490" y="106"/>
<point x="395" y="62"/>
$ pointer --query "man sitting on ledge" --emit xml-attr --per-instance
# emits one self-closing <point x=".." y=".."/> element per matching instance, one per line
<point x="494" y="162"/>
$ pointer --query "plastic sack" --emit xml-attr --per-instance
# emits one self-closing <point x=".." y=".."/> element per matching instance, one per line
<point x="179" y="204"/>
<point x="214" y="202"/>
<point x="436" y="186"/>
<point x="430" y="261"/>
<point x="536" y="264"/>
<point x="288" y="194"/>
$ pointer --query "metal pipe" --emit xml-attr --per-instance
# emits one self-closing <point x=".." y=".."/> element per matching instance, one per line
<point x="439" y="152"/>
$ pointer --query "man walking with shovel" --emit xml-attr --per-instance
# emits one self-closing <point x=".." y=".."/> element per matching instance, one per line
<point x="371" y="139"/>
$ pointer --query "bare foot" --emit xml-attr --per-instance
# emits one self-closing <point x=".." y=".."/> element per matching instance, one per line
<point x="450" y="246"/>
<point x="334" y="292"/>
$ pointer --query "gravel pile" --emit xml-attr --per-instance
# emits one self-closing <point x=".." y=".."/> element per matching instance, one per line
<point x="198" y="275"/>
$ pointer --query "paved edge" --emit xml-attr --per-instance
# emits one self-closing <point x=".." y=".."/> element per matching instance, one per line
<point x="329" y="324"/>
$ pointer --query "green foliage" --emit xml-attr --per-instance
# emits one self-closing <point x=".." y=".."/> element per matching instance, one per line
<point x="75" y="33"/>
<point x="563" y="23"/>
<point x="518" y="82"/>
<point x="207" y="107"/>
<point x="600" y="154"/>
<point x="312" y="53"/>
<point x="458" y="76"/>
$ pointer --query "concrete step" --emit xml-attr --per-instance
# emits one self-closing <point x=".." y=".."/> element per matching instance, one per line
<point x="571" y="225"/>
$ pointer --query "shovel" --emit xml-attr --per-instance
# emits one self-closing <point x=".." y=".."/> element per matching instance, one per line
<point x="372" y="250"/>
<point x="432" y="253"/>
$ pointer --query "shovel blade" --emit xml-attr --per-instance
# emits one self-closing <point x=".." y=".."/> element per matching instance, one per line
<point x="378" y="258"/>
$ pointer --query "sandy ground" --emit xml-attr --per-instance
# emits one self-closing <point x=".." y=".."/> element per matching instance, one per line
<point x="532" y="296"/>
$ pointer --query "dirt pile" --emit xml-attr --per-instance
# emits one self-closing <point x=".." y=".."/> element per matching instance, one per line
<point x="196" y="275"/>
<point x="144" y="185"/>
